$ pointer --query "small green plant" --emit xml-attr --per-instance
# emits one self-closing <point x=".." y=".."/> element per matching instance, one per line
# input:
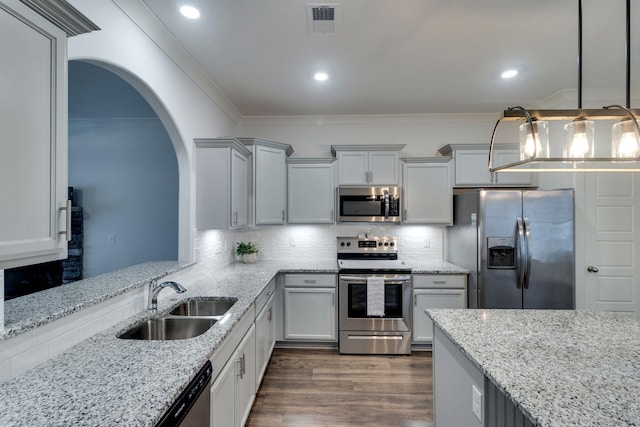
<point x="246" y="248"/>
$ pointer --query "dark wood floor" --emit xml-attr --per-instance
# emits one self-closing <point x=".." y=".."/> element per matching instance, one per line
<point x="323" y="388"/>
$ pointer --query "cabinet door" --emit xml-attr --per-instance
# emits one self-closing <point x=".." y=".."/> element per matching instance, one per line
<point x="428" y="193"/>
<point x="503" y="157"/>
<point x="223" y="397"/>
<point x="353" y="167"/>
<point x="472" y="167"/>
<point x="270" y="185"/>
<point x="265" y="339"/>
<point x="311" y="194"/>
<point x="384" y="168"/>
<point x="33" y="152"/>
<point x="245" y="376"/>
<point x="433" y="298"/>
<point x="239" y="190"/>
<point x="310" y="314"/>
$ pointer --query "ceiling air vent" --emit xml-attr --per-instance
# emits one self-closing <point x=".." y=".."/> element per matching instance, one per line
<point x="322" y="18"/>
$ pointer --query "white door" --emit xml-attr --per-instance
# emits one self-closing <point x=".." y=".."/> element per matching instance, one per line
<point x="311" y="194"/>
<point x="239" y="190"/>
<point x="471" y="167"/>
<point x="433" y="298"/>
<point x="353" y="168"/>
<point x="245" y="376"/>
<point x="310" y="313"/>
<point x="428" y="193"/>
<point x="223" y="397"/>
<point x="383" y="168"/>
<point x="611" y="242"/>
<point x="270" y="185"/>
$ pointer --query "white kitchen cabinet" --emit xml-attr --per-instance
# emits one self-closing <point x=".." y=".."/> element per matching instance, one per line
<point x="368" y="165"/>
<point x="471" y="166"/>
<point x="310" y="307"/>
<point x="233" y="391"/>
<point x="35" y="217"/>
<point x="265" y="331"/>
<point x="222" y="183"/>
<point x="269" y="180"/>
<point x="310" y="191"/>
<point x="428" y="191"/>
<point x="435" y="291"/>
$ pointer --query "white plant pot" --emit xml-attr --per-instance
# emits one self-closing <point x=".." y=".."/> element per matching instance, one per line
<point x="249" y="258"/>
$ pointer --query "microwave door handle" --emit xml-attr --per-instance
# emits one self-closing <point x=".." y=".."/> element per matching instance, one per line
<point x="386" y="203"/>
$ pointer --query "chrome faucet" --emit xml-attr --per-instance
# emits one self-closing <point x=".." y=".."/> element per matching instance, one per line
<point x="155" y="288"/>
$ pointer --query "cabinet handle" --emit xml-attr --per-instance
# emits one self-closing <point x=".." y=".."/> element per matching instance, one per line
<point x="309" y="281"/>
<point x="331" y="214"/>
<point x="67" y="209"/>
<point x="283" y="215"/>
<point x="405" y="215"/>
<point x="439" y="282"/>
<point x="270" y="314"/>
<point x="239" y="367"/>
<point x="415" y="300"/>
<point x="244" y="365"/>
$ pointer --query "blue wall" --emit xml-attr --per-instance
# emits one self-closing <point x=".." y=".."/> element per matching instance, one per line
<point x="123" y="167"/>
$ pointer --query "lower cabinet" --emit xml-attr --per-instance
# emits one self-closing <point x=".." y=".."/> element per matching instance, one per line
<point x="233" y="391"/>
<point x="435" y="291"/>
<point x="265" y="339"/>
<point x="310" y="308"/>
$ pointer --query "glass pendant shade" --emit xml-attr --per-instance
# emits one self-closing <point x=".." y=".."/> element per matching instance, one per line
<point x="624" y="140"/>
<point x="579" y="139"/>
<point x="534" y="144"/>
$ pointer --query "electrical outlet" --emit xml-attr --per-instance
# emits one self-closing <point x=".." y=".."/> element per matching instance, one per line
<point x="476" y="402"/>
<point x="292" y="241"/>
<point x="427" y="242"/>
<point x="111" y="238"/>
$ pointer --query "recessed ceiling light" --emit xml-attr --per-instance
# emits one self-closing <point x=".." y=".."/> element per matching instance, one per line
<point x="189" y="12"/>
<point x="509" y="74"/>
<point x="321" y="76"/>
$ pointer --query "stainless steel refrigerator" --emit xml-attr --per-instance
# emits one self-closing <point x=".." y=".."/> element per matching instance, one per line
<point x="518" y="245"/>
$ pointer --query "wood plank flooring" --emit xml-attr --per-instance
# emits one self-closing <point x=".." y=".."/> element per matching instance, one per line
<point x="323" y="388"/>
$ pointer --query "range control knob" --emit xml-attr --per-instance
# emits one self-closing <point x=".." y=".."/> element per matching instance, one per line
<point x="379" y="243"/>
<point x="386" y="243"/>
<point x="342" y="244"/>
<point x="348" y="243"/>
<point x="392" y="244"/>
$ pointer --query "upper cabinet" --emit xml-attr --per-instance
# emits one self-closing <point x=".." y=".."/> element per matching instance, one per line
<point x="311" y="191"/>
<point x="269" y="180"/>
<point x="427" y="189"/>
<point x="35" y="218"/>
<point x="222" y="183"/>
<point x="471" y="166"/>
<point x="363" y="165"/>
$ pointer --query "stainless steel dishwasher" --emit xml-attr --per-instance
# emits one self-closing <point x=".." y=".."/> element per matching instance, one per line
<point x="192" y="408"/>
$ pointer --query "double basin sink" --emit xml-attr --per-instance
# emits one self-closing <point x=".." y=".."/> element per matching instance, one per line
<point x="189" y="319"/>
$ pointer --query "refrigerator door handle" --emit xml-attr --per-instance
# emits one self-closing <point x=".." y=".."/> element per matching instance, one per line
<point x="527" y="236"/>
<point x="520" y="247"/>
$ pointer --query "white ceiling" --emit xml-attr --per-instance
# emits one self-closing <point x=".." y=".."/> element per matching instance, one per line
<point x="401" y="56"/>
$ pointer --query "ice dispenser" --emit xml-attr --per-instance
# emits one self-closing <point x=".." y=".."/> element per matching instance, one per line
<point x="502" y="252"/>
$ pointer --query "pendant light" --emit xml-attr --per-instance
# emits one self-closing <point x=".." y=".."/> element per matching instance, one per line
<point x="578" y="153"/>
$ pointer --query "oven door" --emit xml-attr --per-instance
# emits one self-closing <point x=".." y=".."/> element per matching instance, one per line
<point x="352" y="300"/>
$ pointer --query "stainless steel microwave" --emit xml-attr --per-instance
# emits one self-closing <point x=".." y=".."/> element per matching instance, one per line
<point x="369" y="204"/>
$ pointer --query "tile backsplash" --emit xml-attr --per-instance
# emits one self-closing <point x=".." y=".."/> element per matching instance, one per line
<point x="415" y="243"/>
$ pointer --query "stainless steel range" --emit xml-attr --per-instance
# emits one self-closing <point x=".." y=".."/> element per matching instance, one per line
<point x="374" y="296"/>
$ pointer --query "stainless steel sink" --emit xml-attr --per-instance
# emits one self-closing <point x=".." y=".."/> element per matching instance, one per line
<point x="203" y="307"/>
<point x="169" y="328"/>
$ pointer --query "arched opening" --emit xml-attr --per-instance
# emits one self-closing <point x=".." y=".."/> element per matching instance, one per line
<point x="124" y="168"/>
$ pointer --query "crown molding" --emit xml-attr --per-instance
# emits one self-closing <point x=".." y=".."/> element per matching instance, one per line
<point x="63" y="15"/>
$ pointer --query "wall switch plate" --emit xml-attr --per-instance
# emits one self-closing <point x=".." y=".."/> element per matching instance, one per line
<point x="476" y="402"/>
<point x="111" y="238"/>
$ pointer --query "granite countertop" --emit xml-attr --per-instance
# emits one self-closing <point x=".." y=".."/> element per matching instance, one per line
<point x="108" y="381"/>
<point x="559" y="367"/>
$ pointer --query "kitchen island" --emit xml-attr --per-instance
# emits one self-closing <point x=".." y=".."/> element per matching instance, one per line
<point x="536" y="367"/>
<point x="108" y="381"/>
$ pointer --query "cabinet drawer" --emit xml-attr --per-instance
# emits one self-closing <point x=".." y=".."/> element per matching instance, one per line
<point x="265" y="295"/>
<point x="446" y="281"/>
<point x="310" y="280"/>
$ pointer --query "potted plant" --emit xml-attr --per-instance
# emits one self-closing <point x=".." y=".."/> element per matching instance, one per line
<point x="247" y="251"/>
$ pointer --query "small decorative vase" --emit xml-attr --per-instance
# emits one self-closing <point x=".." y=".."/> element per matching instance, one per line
<point x="249" y="258"/>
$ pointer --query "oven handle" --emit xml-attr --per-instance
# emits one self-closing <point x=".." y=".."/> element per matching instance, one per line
<point x="364" y="279"/>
